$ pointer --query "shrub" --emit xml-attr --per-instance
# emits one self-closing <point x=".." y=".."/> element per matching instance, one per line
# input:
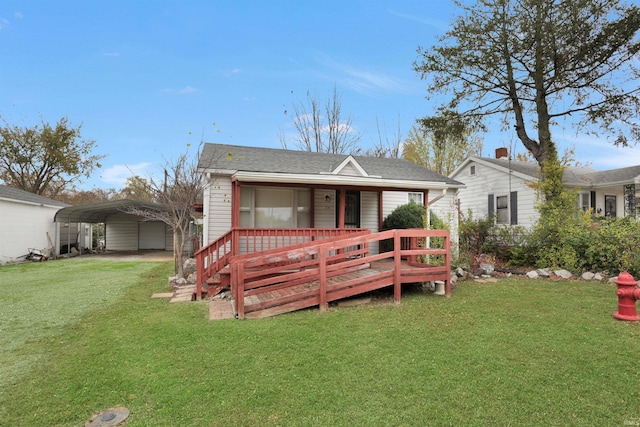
<point x="405" y="216"/>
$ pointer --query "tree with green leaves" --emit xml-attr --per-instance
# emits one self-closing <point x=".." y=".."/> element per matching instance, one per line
<point x="137" y="188"/>
<point x="45" y="159"/>
<point x="441" y="144"/>
<point x="537" y="62"/>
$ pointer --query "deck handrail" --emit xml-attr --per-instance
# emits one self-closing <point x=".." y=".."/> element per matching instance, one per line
<point x="213" y="257"/>
<point x="316" y="261"/>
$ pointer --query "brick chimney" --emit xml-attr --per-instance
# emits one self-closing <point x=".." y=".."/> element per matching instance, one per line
<point x="501" y="152"/>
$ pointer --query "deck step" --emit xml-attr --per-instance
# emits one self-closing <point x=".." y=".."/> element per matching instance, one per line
<point x="185" y="293"/>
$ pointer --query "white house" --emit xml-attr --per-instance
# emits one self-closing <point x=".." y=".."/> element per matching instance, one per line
<point x="254" y="187"/>
<point x="501" y="187"/>
<point x="26" y="221"/>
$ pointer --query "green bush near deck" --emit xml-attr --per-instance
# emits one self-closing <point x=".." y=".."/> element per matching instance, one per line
<point x="80" y="337"/>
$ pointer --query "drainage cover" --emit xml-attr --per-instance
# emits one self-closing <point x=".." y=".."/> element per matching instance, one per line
<point x="109" y="418"/>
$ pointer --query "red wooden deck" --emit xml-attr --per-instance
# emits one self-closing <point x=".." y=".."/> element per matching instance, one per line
<point x="304" y="295"/>
<point x="320" y="271"/>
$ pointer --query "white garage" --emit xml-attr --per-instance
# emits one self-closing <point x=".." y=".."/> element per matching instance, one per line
<point x="122" y="231"/>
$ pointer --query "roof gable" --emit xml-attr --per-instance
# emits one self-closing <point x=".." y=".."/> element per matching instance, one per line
<point x="349" y="167"/>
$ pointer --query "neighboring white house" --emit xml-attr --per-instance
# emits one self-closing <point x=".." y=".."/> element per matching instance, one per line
<point x="254" y="187"/>
<point x="501" y="187"/>
<point x="26" y="221"/>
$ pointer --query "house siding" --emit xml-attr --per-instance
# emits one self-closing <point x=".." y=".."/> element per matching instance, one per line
<point x="24" y="226"/>
<point x="491" y="181"/>
<point x="445" y="209"/>
<point x="325" y="211"/>
<point x="218" y="209"/>
<point x="369" y="214"/>
<point x="391" y="200"/>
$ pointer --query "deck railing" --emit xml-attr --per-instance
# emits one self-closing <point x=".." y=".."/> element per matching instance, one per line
<point x="318" y="262"/>
<point x="213" y="257"/>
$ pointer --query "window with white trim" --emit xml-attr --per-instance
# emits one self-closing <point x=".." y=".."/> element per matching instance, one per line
<point x="416" y="197"/>
<point x="584" y="200"/>
<point x="502" y="210"/>
<point x="266" y="207"/>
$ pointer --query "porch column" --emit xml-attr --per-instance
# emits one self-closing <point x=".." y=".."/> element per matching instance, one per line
<point x="342" y="206"/>
<point x="425" y="197"/>
<point x="380" y="210"/>
<point x="235" y="203"/>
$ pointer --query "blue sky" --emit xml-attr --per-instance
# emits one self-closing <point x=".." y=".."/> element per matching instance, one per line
<point x="146" y="78"/>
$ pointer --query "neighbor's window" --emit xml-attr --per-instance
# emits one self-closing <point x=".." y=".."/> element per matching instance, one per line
<point x="583" y="201"/>
<point x="502" y="210"/>
<point x="472" y="170"/>
<point x="610" y="206"/>
<point x="416" y="197"/>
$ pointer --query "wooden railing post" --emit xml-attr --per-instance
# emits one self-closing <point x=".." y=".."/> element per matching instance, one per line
<point x="397" y="267"/>
<point x="447" y="263"/>
<point x="323" y="279"/>
<point x="199" y="275"/>
<point x="239" y="273"/>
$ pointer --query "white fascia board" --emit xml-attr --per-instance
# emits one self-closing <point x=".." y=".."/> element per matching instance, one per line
<point x="25" y="202"/>
<point x="282" y="178"/>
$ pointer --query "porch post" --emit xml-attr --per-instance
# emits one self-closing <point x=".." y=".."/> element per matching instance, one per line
<point x="380" y="210"/>
<point x="343" y="204"/>
<point x="425" y="197"/>
<point x="312" y="216"/>
<point x="235" y="216"/>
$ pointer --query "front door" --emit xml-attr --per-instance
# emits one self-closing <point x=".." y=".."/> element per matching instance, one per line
<point x="352" y="210"/>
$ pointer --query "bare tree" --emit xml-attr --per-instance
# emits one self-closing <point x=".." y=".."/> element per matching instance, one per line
<point x="175" y="193"/>
<point x="322" y="130"/>
<point x="387" y="146"/>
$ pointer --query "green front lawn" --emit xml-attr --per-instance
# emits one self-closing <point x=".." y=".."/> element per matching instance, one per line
<point x="80" y="336"/>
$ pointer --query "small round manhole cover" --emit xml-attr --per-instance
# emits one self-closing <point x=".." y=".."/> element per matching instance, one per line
<point x="109" y="418"/>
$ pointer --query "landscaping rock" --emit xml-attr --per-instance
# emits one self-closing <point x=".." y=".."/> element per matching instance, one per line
<point x="543" y="272"/>
<point x="460" y="272"/>
<point x="598" y="277"/>
<point x="532" y="274"/>
<point x="565" y="274"/>
<point x="189" y="266"/>
<point x="487" y="268"/>
<point x="192" y="278"/>
<point x="587" y="275"/>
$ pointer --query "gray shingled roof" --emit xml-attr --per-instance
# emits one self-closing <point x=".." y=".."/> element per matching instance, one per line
<point x="274" y="160"/>
<point x="7" y="192"/>
<point x="626" y="175"/>
<point x="572" y="175"/>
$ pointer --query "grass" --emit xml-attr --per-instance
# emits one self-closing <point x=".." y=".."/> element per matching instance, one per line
<point x="517" y="352"/>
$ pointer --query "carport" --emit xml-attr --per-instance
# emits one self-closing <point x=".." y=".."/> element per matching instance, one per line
<point x="121" y="230"/>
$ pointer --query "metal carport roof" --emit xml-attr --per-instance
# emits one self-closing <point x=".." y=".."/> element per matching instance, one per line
<point x="101" y="211"/>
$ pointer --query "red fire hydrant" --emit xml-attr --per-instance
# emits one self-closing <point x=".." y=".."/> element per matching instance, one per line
<point x="628" y="293"/>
